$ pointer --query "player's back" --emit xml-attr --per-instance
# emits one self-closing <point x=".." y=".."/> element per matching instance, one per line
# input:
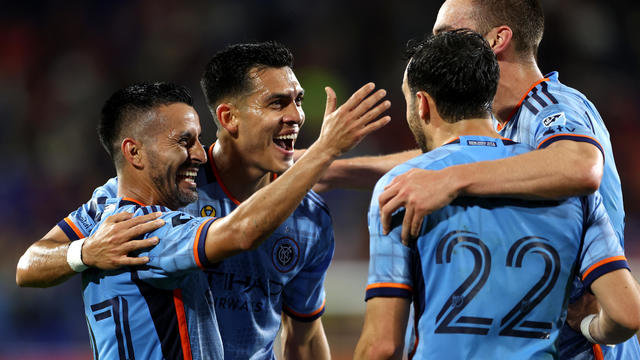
<point x="489" y="277"/>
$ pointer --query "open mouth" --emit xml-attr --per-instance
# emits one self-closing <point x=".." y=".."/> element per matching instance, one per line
<point x="188" y="175"/>
<point x="285" y="142"/>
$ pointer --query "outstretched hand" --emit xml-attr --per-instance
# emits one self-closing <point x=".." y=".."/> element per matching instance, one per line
<point x="343" y="128"/>
<point x="420" y="192"/>
<point x="109" y="247"/>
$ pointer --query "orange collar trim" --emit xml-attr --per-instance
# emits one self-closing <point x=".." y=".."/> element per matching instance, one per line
<point x="133" y="200"/>
<point x="515" y="109"/>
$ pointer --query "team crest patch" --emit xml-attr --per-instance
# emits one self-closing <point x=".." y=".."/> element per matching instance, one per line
<point x="208" y="210"/>
<point x="555" y="119"/>
<point x="285" y="254"/>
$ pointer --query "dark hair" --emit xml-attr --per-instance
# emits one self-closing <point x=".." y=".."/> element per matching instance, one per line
<point x="458" y="69"/>
<point x="122" y="108"/>
<point x="227" y="73"/>
<point x="524" y="17"/>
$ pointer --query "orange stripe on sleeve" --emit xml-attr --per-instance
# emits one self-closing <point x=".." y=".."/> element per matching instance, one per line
<point x="182" y="324"/>
<point x="572" y="135"/>
<point x="600" y="263"/>
<point x="315" y="312"/>
<point x="196" y="243"/>
<point x="389" y="285"/>
<point x="74" y="228"/>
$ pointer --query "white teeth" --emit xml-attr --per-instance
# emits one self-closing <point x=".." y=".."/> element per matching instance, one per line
<point x="188" y="173"/>
<point x="286" y="137"/>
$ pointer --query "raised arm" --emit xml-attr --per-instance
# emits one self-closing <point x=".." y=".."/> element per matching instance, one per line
<point x="566" y="168"/>
<point x="257" y="217"/>
<point x="45" y="264"/>
<point x="361" y="172"/>
<point x="619" y="316"/>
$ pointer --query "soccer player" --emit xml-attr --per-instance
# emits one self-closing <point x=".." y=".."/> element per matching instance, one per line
<point x="573" y="156"/>
<point x="489" y="277"/>
<point x="256" y="101"/>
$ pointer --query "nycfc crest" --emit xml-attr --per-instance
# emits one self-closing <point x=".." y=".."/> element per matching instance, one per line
<point x="285" y="254"/>
<point x="208" y="210"/>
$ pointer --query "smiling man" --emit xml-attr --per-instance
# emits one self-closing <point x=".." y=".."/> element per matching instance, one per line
<point x="256" y="101"/>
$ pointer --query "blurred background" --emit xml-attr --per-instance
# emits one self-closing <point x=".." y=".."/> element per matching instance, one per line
<point x="59" y="61"/>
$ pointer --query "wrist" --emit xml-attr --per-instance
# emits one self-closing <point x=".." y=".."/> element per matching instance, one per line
<point x="74" y="256"/>
<point x="459" y="179"/>
<point x="585" y="328"/>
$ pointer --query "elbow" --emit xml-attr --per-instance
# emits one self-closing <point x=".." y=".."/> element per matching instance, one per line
<point x="587" y="177"/>
<point x="21" y="274"/>
<point x="382" y="350"/>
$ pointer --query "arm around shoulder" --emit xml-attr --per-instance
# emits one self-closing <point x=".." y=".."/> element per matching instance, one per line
<point x="44" y="264"/>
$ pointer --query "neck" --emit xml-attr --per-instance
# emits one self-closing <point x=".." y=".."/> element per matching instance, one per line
<point x="240" y="179"/>
<point x="136" y="188"/>
<point x="468" y="127"/>
<point x="516" y="78"/>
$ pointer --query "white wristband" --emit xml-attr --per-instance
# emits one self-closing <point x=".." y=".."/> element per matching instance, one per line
<point x="74" y="256"/>
<point x="584" y="328"/>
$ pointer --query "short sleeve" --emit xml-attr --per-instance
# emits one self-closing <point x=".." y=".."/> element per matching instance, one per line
<point x="179" y="251"/>
<point x="601" y="252"/>
<point x="389" y="260"/>
<point x="80" y="223"/>
<point x="557" y="122"/>
<point x="304" y="295"/>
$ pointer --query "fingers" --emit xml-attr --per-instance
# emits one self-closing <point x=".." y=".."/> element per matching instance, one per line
<point x="331" y="101"/>
<point x="133" y="222"/>
<point x="143" y="228"/>
<point x="134" y="245"/>
<point x="416" y="225"/>
<point x="359" y="95"/>
<point x="119" y="217"/>
<point x="406" y="226"/>
<point x="132" y="261"/>
<point x="365" y="107"/>
<point x="386" y="208"/>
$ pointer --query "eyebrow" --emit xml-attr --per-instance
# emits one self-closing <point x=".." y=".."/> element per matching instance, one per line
<point x="283" y="95"/>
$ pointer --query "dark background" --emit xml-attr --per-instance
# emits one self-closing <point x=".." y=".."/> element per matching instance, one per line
<point x="59" y="61"/>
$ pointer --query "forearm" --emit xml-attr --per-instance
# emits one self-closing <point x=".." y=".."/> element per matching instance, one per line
<point x="303" y="340"/>
<point x="44" y="264"/>
<point x="257" y="217"/>
<point x="361" y="172"/>
<point x="566" y="168"/>
<point x="607" y="331"/>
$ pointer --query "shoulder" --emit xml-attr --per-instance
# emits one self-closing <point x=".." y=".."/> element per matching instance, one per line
<point x="314" y="206"/>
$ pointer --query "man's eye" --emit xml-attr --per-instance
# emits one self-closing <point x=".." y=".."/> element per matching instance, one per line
<point x="299" y="100"/>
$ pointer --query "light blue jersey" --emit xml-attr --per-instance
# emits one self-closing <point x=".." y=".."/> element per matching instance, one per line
<point x="551" y="111"/>
<point x="489" y="277"/>
<point x="250" y="290"/>
<point x="161" y="310"/>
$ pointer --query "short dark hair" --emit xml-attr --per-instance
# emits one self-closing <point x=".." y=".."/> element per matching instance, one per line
<point x="122" y="108"/>
<point x="458" y="70"/>
<point x="524" y="17"/>
<point x="227" y="73"/>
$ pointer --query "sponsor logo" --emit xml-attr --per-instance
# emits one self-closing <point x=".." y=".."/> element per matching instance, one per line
<point x="208" y="210"/>
<point x="555" y="119"/>
<point x="285" y="254"/>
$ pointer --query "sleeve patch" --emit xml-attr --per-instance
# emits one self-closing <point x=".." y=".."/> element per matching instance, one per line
<point x="555" y="119"/>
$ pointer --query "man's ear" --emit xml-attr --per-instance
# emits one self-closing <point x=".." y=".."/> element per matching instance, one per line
<point x="424" y="108"/>
<point x="499" y="38"/>
<point x="131" y="151"/>
<point x="226" y="118"/>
